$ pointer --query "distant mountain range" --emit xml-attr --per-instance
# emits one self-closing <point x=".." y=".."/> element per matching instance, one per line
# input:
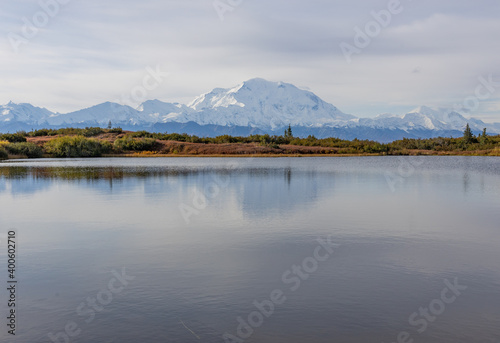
<point x="256" y="106"/>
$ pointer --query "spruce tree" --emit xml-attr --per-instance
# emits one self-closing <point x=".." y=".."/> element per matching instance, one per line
<point x="468" y="136"/>
<point x="483" y="139"/>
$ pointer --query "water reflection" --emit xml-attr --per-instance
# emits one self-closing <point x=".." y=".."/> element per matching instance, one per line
<point x="261" y="189"/>
<point x="78" y="220"/>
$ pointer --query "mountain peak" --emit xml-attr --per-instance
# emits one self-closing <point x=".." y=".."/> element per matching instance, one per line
<point x="265" y="104"/>
<point x="436" y="118"/>
<point x="258" y="83"/>
<point x="257" y="80"/>
<point x="19" y="105"/>
<point x="437" y="112"/>
<point x="424" y="110"/>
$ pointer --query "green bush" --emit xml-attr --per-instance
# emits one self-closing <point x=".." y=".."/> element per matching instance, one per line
<point x="141" y="134"/>
<point x="40" y="133"/>
<point x="13" y="137"/>
<point x="129" y="143"/>
<point x="92" y="131"/>
<point x="30" y="150"/>
<point x="116" y="130"/>
<point x="77" y="146"/>
<point x="226" y="139"/>
<point x="172" y="137"/>
<point x="69" y="131"/>
<point x="3" y="154"/>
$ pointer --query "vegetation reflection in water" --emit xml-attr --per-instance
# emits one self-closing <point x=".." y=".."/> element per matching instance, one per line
<point x="117" y="173"/>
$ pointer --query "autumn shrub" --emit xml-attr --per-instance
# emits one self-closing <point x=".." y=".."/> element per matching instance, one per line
<point x="77" y="146"/>
<point x="140" y="134"/>
<point x="3" y="154"/>
<point x="43" y="132"/>
<point x="13" y="137"/>
<point x="92" y="131"/>
<point x="30" y="150"/>
<point x="116" y="130"/>
<point x="135" y="144"/>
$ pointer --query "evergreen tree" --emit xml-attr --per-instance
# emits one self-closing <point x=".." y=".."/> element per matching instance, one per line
<point x="483" y="139"/>
<point x="289" y="131"/>
<point x="468" y="136"/>
<point x="110" y="125"/>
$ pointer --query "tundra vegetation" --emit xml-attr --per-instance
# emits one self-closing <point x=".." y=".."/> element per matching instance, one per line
<point x="96" y="142"/>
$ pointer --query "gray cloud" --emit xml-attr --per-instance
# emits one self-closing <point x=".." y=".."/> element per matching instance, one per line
<point x="94" y="51"/>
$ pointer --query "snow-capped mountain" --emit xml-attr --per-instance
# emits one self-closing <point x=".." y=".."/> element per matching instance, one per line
<point x="159" y="111"/>
<point x="254" y="106"/>
<point x="424" y="118"/>
<point x="98" y="115"/>
<point x="12" y="113"/>
<point x="265" y="105"/>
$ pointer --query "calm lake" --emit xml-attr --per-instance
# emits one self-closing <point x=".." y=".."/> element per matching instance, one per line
<point x="369" y="249"/>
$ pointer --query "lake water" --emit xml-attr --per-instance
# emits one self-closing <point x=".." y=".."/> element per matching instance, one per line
<point x="371" y="249"/>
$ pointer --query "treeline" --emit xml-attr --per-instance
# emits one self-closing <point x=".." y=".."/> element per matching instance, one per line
<point x="95" y="142"/>
<point x="355" y="146"/>
<point x="87" y="132"/>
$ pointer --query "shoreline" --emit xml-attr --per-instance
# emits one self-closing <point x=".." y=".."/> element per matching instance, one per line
<point x="140" y="155"/>
<point x="288" y="155"/>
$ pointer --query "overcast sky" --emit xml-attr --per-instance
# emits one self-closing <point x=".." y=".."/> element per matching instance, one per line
<point x="87" y="52"/>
